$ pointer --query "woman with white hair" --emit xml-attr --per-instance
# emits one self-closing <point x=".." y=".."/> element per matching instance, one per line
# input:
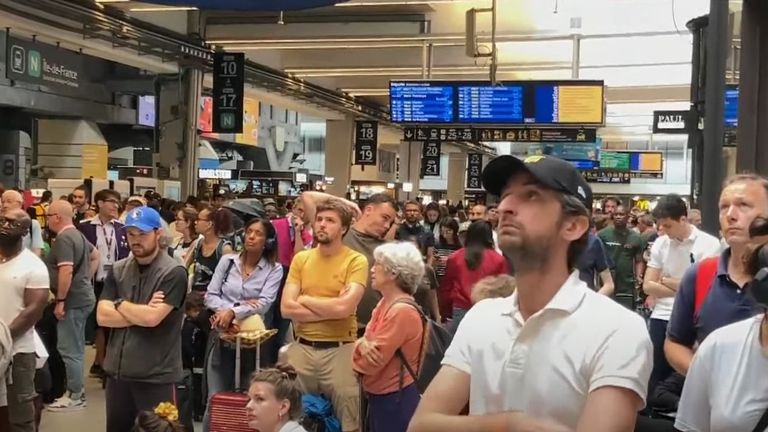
<point x="393" y="336"/>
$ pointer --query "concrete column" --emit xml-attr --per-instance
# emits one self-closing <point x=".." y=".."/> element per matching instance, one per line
<point x="339" y="146"/>
<point x="457" y="176"/>
<point x="410" y="168"/>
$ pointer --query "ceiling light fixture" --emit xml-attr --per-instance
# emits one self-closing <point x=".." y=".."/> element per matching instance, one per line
<point x="163" y="9"/>
<point x="399" y="3"/>
<point x="112" y="1"/>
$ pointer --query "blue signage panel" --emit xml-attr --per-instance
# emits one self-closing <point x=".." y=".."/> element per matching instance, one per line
<point x="421" y="102"/>
<point x="732" y="107"/>
<point x="249" y="5"/>
<point x="491" y="104"/>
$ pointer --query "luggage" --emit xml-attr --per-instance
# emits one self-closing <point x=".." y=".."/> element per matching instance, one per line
<point x="227" y="409"/>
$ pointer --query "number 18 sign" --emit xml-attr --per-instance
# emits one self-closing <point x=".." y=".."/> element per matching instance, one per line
<point x="366" y="142"/>
<point x="228" y="92"/>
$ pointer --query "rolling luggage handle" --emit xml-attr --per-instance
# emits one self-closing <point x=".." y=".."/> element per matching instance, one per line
<point x="238" y="358"/>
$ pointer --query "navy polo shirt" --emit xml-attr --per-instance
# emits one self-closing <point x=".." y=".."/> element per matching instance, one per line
<point x="593" y="261"/>
<point x="726" y="303"/>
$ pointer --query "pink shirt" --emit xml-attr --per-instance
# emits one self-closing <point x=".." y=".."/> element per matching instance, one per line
<point x="285" y="244"/>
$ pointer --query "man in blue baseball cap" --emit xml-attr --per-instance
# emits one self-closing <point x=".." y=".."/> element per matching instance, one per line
<point x="141" y="302"/>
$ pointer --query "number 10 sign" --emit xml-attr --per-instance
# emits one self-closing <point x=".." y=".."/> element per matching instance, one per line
<point x="366" y="142"/>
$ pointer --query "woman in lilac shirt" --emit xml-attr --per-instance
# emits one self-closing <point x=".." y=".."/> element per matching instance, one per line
<point x="243" y="284"/>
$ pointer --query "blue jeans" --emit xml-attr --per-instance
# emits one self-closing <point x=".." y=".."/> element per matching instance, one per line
<point x="458" y="315"/>
<point x="71" y="346"/>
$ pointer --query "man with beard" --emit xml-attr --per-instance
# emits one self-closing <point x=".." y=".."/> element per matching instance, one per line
<point x="72" y="263"/>
<point x="142" y="305"/>
<point x="321" y="295"/>
<point x="80" y="203"/>
<point x="625" y="247"/>
<point x="554" y="356"/>
<point x="413" y="229"/>
<point x="24" y="282"/>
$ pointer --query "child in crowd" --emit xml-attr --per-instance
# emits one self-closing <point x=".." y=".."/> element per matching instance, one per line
<point x="163" y="419"/>
<point x="192" y="345"/>
<point x="493" y="287"/>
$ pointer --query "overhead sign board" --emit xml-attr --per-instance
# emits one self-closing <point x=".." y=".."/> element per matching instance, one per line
<point x="732" y="106"/>
<point x="501" y="134"/>
<point x="671" y="122"/>
<point x="430" y="159"/>
<point x="366" y="142"/>
<point x="222" y="174"/>
<point x="42" y="64"/>
<point x="606" y="176"/>
<point x="508" y="103"/>
<point x="228" y="92"/>
<point x="474" y="170"/>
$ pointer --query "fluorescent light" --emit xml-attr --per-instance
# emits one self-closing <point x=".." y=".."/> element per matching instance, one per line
<point x="163" y="9"/>
<point x="112" y="1"/>
<point x="398" y="3"/>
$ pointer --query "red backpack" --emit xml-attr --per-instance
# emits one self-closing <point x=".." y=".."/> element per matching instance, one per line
<point x="705" y="275"/>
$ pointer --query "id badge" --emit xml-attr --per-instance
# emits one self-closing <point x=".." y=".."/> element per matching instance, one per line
<point x="107" y="268"/>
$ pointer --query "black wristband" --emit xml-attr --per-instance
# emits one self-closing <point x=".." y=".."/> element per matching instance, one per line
<point x="61" y="300"/>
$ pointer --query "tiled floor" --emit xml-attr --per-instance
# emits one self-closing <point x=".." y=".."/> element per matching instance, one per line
<point x="91" y="419"/>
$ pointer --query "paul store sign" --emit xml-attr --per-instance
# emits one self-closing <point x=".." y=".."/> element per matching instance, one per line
<point x="671" y="122"/>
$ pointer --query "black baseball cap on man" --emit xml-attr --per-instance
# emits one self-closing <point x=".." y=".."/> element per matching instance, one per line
<point x="550" y="171"/>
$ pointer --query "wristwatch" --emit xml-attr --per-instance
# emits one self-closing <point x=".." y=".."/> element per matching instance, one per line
<point x="58" y="300"/>
<point x="118" y="302"/>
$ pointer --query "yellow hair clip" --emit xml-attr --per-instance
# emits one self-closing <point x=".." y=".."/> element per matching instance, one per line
<point x="167" y="411"/>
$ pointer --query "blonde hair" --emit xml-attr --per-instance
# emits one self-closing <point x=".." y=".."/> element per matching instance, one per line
<point x="493" y="287"/>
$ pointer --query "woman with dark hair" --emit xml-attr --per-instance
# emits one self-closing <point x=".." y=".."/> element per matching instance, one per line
<point x="275" y="404"/>
<point x="244" y="284"/>
<point x="477" y="260"/>
<point x="432" y="218"/>
<point x="163" y="419"/>
<point x="447" y="243"/>
<point x="212" y="225"/>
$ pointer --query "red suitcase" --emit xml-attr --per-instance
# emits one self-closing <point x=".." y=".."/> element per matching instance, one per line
<point x="227" y="409"/>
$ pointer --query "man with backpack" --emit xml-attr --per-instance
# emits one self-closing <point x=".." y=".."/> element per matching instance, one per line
<point x="712" y="293"/>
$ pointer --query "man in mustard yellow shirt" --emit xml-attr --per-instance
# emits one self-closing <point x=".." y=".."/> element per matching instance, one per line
<point x="324" y="287"/>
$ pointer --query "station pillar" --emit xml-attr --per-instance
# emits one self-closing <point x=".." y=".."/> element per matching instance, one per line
<point x="457" y="176"/>
<point x="339" y="146"/>
<point x="410" y="169"/>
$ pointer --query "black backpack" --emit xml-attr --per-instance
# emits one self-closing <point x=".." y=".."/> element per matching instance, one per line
<point x="435" y="342"/>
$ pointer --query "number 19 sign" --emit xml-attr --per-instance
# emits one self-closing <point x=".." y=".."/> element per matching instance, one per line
<point x="228" y="92"/>
<point x="366" y="142"/>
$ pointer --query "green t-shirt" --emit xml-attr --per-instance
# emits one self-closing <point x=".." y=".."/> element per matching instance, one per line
<point x="623" y="246"/>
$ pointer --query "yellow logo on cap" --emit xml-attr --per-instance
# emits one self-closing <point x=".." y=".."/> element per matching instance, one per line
<point x="534" y="159"/>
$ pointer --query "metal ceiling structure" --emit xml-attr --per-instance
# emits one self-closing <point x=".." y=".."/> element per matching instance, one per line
<point x="94" y="22"/>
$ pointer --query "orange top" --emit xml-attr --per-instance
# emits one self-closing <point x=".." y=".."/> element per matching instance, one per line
<point x="390" y="328"/>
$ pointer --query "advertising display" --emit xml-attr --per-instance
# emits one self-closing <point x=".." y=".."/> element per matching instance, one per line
<point x="250" y="133"/>
<point x="145" y="113"/>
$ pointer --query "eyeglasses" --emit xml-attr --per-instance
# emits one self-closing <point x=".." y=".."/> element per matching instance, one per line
<point x="111" y="200"/>
<point x="13" y="223"/>
<point x="203" y="220"/>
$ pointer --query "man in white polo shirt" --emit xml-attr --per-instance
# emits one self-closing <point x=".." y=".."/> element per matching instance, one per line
<point x="554" y="356"/>
<point x="671" y="255"/>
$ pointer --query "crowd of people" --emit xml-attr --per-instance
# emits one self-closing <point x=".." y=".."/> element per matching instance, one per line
<point x="562" y="318"/>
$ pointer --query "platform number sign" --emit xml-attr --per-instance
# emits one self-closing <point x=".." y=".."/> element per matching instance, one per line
<point x="366" y="142"/>
<point x="228" y="92"/>
<point x="474" y="170"/>
<point x="430" y="159"/>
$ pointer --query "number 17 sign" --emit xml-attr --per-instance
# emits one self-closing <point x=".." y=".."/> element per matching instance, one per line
<point x="366" y="142"/>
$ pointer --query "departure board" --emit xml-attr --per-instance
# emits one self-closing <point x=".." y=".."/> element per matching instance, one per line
<point x="732" y="107"/>
<point x="421" y="102"/>
<point x="490" y="104"/>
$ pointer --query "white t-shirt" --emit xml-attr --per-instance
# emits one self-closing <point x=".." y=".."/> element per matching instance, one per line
<point x="24" y="271"/>
<point x="547" y="366"/>
<point x="673" y="258"/>
<point x="726" y="389"/>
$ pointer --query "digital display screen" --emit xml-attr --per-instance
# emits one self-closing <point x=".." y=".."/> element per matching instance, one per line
<point x="421" y="102"/>
<point x="632" y="161"/>
<point x="146" y="111"/>
<point x="490" y="104"/>
<point x="512" y="102"/>
<point x="732" y="107"/>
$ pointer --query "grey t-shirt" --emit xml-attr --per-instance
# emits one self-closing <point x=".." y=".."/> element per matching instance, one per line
<point x="71" y="247"/>
<point x="364" y="244"/>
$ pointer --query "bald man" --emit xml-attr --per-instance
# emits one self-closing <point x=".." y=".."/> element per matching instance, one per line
<point x="24" y="282"/>
<point x="33" y="239"/>
<point x="72" y="264"/>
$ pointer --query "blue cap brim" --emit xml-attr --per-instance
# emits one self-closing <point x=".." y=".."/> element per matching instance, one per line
<point x="141" y="227"/>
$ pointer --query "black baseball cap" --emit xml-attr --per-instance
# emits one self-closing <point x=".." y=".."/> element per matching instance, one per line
<point x="550" y="171"/>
